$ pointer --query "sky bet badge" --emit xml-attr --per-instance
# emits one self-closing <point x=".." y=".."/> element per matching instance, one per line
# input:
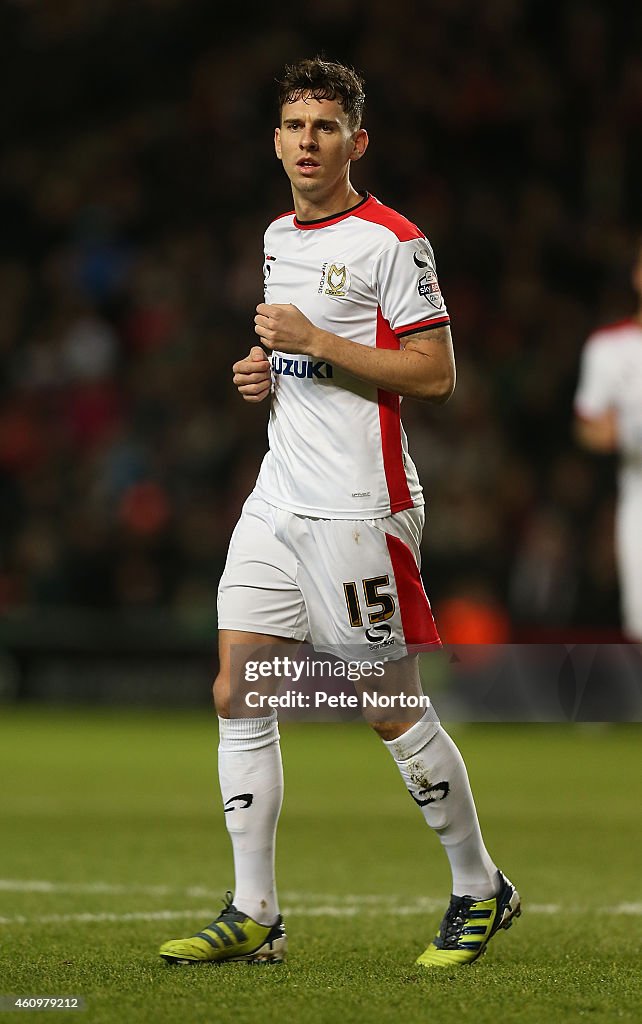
<point x="428" y="287"/>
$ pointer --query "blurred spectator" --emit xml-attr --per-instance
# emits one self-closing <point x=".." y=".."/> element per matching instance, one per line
<point x="472" y="615"/>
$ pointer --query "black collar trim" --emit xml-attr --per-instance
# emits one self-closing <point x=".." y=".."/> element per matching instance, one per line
<point x="333" y="216"/>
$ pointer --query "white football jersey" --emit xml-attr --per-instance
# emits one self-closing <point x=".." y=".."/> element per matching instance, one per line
<point x="337" y="446"/>
<point x="611" y="378"/>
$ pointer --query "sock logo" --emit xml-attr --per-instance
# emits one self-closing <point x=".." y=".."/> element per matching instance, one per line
<point x="247" y="799"/>
<point x="439" y="787"/>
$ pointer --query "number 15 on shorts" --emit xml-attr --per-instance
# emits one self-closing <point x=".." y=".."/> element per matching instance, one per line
<point x="384" y="603"/>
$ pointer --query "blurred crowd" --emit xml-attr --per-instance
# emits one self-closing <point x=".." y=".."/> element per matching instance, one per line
<point x="136" y="179"/>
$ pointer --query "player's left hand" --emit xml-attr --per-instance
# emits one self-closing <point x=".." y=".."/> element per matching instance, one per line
<point x="284" y="327"/>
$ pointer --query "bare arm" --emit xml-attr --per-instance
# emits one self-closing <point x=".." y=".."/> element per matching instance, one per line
<point x="598" y="434"/>
<point x="424" y="368"/>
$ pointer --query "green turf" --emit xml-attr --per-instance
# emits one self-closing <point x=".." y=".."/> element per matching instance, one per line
<point x="118" y="811"/>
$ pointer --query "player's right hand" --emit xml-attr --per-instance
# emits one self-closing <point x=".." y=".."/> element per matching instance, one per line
<point x="252" y="375"/>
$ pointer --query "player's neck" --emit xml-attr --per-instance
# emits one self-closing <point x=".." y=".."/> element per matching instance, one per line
<point x="341" y="199"/>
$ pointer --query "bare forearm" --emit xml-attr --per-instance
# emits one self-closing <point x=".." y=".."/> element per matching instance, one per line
<point x="424" y="368"/>
<point x="406" y="371"/>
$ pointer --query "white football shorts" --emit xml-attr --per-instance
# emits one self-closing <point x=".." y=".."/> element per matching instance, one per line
<point x="348" y="587"/>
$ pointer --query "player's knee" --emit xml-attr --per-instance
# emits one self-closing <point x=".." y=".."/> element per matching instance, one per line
<point x="390" y="730"/>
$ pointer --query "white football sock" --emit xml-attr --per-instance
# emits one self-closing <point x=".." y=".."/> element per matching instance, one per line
<point x="251" y="776"/>
<point x="436" y="777"/>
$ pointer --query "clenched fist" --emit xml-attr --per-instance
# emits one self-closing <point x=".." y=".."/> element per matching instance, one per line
<point x="252" y="375"/>
<point x="286" y="328"/>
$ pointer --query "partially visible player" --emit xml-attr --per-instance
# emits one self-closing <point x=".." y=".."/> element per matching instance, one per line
<point x="608" y="418"/>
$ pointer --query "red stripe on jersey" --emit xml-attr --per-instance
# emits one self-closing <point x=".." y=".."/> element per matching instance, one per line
<point x="435" y="321"/>
<point x="416" y="616"/>
<point x="377" y="213"/>
<point x="390" y="426"/>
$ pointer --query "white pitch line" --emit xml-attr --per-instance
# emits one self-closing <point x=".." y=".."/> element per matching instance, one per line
<point x="41" y="885"/>
<point x="302" y="904"/>
<point x="309" y="901"/>
<point x="327" y="910"/>
<point x="87" y="918"/>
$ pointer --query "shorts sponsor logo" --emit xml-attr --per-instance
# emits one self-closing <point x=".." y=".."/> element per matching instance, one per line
<point x="304" y="369"/>
<point x="379" y="636"/>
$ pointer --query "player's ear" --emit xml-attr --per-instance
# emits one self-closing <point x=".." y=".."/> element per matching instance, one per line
<point x="360" y="144"/>
<point x="277" y="142"/>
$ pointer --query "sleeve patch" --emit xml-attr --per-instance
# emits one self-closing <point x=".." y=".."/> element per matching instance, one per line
<point x="428" y="288"/>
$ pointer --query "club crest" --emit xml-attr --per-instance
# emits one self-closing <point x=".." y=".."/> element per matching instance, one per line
<point x="335" y="280"/>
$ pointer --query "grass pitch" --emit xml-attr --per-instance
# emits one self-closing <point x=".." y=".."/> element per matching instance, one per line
<point x="113" y="841"/>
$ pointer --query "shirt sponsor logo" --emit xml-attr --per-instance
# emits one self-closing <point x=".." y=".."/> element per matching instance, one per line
<point x="304" y="369"/>
<point x="335" y="280"/>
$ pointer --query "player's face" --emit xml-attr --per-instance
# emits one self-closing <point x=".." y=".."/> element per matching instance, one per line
<point x="316" y="145"/>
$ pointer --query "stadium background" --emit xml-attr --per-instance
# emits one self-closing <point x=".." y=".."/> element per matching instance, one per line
<point x="136" y="179"/>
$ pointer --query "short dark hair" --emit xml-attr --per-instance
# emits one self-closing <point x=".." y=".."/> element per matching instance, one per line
<point x="324" y="80"/>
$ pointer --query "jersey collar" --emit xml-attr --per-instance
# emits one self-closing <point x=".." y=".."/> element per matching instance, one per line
<point x="323" y="222"/>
